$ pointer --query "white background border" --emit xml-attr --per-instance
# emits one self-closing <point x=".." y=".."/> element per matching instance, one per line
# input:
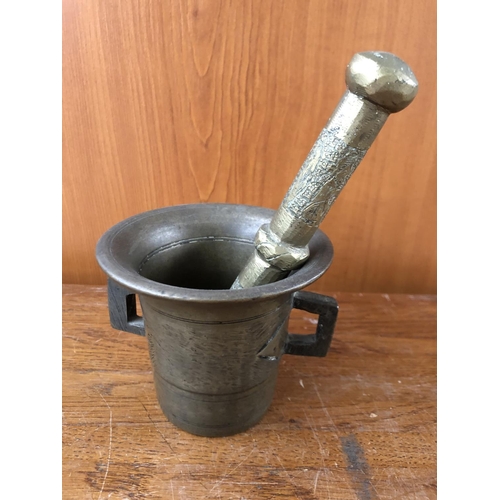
<point x="30" y="246"/>
<point x="468" y="249"/>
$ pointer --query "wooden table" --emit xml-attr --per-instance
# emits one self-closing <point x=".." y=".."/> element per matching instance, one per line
<point x="360" y="423"/>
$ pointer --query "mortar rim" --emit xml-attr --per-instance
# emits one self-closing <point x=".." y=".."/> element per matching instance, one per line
<point x="141" y="285"/>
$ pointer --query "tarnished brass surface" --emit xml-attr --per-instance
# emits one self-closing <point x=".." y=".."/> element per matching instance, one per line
<point x="214" y="352"/>
<point x="378" y="84"/>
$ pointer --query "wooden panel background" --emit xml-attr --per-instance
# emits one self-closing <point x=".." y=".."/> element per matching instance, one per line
<point x="170" y="102"/>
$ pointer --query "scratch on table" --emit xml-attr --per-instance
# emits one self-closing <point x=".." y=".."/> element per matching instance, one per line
<point x="287" y="473"/>
<point x="156" y="428"/>
<point x="84" y="290"/>
<point x="89" y="432"/>
<point x="316" y="438"/>
<point x="321" y="452"/>
<point x="323" y="407"/>
<point x="398" y="479"/>
<point x="316" y="482"/>
<point x="110" y="442"/>
<point x="76" y="339"/>
<point x="244" y="483"/>
<point x="172" y="488"/>
<point x="388" y="298"/>
<point x="282" y="413"/>
<point x="226" y="474"/>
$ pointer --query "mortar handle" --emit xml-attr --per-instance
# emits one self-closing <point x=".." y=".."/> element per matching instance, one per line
<point x="316" y="344"/>
<point x="123" y="310"/>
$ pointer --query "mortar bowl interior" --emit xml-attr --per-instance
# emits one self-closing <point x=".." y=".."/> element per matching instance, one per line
<point x="195" y="252"/>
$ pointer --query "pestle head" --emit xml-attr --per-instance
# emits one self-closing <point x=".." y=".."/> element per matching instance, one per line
<point x="382" y="78"/>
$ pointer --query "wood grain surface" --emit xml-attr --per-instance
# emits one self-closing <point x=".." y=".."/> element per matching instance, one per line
<point x="358" y="424"/>
<point x="173" y="102"/>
